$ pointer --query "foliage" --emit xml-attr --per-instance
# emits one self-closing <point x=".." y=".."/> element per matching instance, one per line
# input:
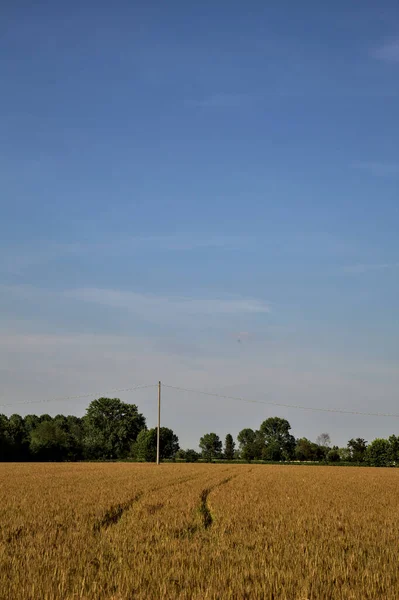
<point x="111" y="427"/>
<point x="324" y="440"/>
<point x="344" y="454"/>
<point x="114" y="430"/>
<point x="49" y="441"/>
<point x="247" y="443"/>
<point x="378" y="453"/>
<point x="5" y="441"/>
<point x="145" y="447"/>
<point x="107" y="431"/>
<point x="357" y="449"/>
<point x="333" y="455"/>
<point x="188" y="455"/>
<point x="229" y="447"/>
<point x="211" y="446"/>
<point x="278" y="441"/>
<point x="305" y="450"/>
<point x="18" y="438"/>
<point x="394" y="449"/>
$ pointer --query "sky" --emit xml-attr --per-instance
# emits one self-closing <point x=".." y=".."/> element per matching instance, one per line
<point x="205" y="194"/>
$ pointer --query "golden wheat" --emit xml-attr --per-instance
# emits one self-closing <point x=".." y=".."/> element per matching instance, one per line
<point x="121" y="531"/>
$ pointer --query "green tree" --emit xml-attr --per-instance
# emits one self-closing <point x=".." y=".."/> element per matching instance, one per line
<point x="31" y="422"/>
<point x="145" y="447"/>
<point x="273" y="451"/>
<point x="333" y="455"/>
<point x="229" y="447"/>
<point x="73" y="428"/>
<point x="250" y="444"/>
<point x="276" y="434"/>
<point x="75" y="437"/>
<point x="394" y="449"/>
<point x="18" y="438"/>
<point x="5" y="441"/>
<point x="357" y="449"/>
<point x="45" y="417"/>
<point x="378" y="453"/>
<point x="344" y="454"/>
<point x="110" y="428"/>
<point x="305" y="450"/>
<point x="188" y="455"/>
<point x="49" y="442"/>
<point x="192" y="455"/>
<point x="211" y="446"/>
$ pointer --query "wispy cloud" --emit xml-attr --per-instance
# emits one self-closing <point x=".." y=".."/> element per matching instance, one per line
<point x="151" y="305"/>
<point x="379" y="169"/>
<point x="388" y="52"/>
<point x="16" y="260"/>
<point x="365" y="268"/>
<point x="145" y="304"/>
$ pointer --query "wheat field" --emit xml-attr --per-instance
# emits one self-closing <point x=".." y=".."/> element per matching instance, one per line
<point x="138" y="531"/>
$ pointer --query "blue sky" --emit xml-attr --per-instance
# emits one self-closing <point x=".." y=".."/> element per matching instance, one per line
<point x="176" y="177"/>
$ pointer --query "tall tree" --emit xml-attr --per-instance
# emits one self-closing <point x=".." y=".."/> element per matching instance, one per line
<point x="75" y="437"/>
<point x="229" y="447"/>
<point x="324" y="440"/>
<point x="111" y="427"/>
<point x="191" y="455"/>
<point x="211" y="446"/>
<point x="5" y="441"/>
<point x="333" y="455"/>
<point x="18" y="438"/>
<point x="31" y="422"/>
<point x="357" y="449"/>
<point x="305" y="450"/>
<point x="188" y="455"/>
<point x="49" y="442"/>
<point x="378" y="453"/>
<point x="73" y="428"/>
<point x="145" y="447"/>
<point x="394" y="449"/>
<point x="276" y="434"/>
<point x="274" y="451"/>
<point x="248" y="441"/>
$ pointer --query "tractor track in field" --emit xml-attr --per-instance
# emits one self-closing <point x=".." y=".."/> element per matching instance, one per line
<point x="115" y="512"/>
<point x="204" y="511"/>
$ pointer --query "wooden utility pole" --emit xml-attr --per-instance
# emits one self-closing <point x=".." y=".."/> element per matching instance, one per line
<point x="159" y="420"/>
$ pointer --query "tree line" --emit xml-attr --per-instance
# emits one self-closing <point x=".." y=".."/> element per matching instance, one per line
<point x="114" y="430"/>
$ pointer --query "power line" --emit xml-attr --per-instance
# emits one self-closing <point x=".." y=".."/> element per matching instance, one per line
<point x="91" y="395"/>
<point x="204" y="393"/>
<point x="280" y="404"/>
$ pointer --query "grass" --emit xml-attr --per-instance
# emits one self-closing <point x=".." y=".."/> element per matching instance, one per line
<point x="138" y="531"/>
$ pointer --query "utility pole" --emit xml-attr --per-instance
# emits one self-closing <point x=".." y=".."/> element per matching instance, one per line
<point x="159" y="420"/>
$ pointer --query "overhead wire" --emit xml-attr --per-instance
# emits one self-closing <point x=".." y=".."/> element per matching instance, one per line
<point x="281" y="404"/>
<point x="89" y="395"/>
<point x="204" y="393"/>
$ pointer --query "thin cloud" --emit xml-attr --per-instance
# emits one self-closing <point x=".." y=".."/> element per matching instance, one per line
<point x="151" y="305"/>
<point x="379" y="169"/>
<point x="16" y="260"/>
<point x="389" y="52"/>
